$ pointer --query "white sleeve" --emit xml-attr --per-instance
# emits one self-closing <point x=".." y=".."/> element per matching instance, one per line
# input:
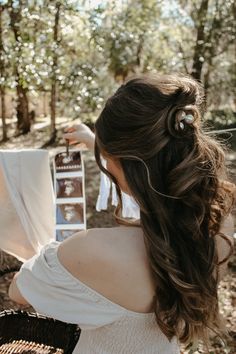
<point x="104" y="189"/>
<point x="56" y="293"/>
<point x="25" y="188"/>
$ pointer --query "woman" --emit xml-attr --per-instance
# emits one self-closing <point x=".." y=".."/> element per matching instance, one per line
<point x="151" y="284"/>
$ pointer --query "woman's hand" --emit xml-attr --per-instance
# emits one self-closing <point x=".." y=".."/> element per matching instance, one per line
<point x="81" y="134"/>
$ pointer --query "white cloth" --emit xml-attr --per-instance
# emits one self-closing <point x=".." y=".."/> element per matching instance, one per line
<point x="27" y="204"/>
<point x="107" y="328"/>
<point x="130" y="207"/>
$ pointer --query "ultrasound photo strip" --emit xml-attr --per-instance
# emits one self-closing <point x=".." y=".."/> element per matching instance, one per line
<point x="69" y="190"/>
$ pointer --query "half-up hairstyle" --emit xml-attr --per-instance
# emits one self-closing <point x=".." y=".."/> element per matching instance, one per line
<point x="176" y="173"/>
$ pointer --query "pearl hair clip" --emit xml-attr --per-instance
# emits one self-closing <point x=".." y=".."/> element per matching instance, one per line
<point x="182" y="118"/>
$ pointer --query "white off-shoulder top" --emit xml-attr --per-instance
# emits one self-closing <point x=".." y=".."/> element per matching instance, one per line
<point x="106" y="327"/>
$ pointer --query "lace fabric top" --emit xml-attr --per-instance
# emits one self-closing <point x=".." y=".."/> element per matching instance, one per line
<point x="106" y="327"/>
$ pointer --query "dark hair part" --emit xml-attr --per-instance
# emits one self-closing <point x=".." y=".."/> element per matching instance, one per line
<point x="177" y="175"/>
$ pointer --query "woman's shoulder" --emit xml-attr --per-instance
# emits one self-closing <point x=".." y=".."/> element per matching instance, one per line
<point x="98" y="240"/>
<point x="97" y="246"/>
<point x="113" y="262"/>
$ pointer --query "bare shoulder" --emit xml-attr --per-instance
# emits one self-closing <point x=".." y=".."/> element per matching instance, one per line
<point x="82" y="255"/>
<point x="83" y="249"/>
<point x="98" y="244"/>
<point x="113" y="262"/>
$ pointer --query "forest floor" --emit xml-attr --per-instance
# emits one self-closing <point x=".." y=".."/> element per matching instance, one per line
<point x="227" y="287"/>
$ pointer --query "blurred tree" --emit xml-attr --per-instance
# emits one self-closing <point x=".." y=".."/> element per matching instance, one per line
<point x="15" y="9"/>
<point x="122" y="31"/>
<point x="199" y="50"/>
<point x="220" y="48"/>
<point x="56" y="43"/>
<point x="76" y="53"/>
<point x="214" y="48"/>
<point x="2" y="77"/>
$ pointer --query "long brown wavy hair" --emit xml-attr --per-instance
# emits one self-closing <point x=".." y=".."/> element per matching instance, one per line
<point x="176" y="173"/>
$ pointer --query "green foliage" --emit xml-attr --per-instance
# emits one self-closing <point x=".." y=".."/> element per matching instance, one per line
<point x="124" y="34"/>
<point x="99" y="46"/>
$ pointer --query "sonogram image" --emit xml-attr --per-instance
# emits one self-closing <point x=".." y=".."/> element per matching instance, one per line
<point x="70" y="213"/>
<point x="68" y="163"/>
<point x="69" y="187"/>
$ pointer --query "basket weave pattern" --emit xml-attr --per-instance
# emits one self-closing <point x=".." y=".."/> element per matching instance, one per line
<point x="23" y="332"/>
<point x="24" y="347"/>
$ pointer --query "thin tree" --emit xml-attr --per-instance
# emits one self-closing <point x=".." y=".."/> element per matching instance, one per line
<point x="221" y="36"/>
<point x="56" y="42"/>
<point x="2" y="77"/>
<point x="198" y="56"/>
<point x="23" y="121"/>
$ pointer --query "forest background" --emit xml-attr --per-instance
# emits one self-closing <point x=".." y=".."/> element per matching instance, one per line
<point x="64" y="58"/>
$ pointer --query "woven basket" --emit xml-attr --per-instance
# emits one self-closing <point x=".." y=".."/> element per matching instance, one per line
<point x="22" y="332"/>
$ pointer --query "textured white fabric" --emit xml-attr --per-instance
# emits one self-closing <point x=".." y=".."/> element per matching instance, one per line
<point x="27" y="205"/>
<point x="130" y="207"/>
<point x="107" y="328"/>
<point x="104" y="192"/>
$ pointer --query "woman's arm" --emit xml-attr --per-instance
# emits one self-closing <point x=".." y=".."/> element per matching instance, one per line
<point x="14" y="293"/>
<point x="223" y="246"/>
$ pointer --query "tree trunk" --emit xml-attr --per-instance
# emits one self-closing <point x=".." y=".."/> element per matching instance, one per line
<point x="3" y="109"/>
<point x="54" y="75"/>
<point x="2" y="87"/>
<point x="53" y="110"/>
<point x="44" y="104"/>
<point x="22" y="108"/>
<point x="198" y="57"/>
